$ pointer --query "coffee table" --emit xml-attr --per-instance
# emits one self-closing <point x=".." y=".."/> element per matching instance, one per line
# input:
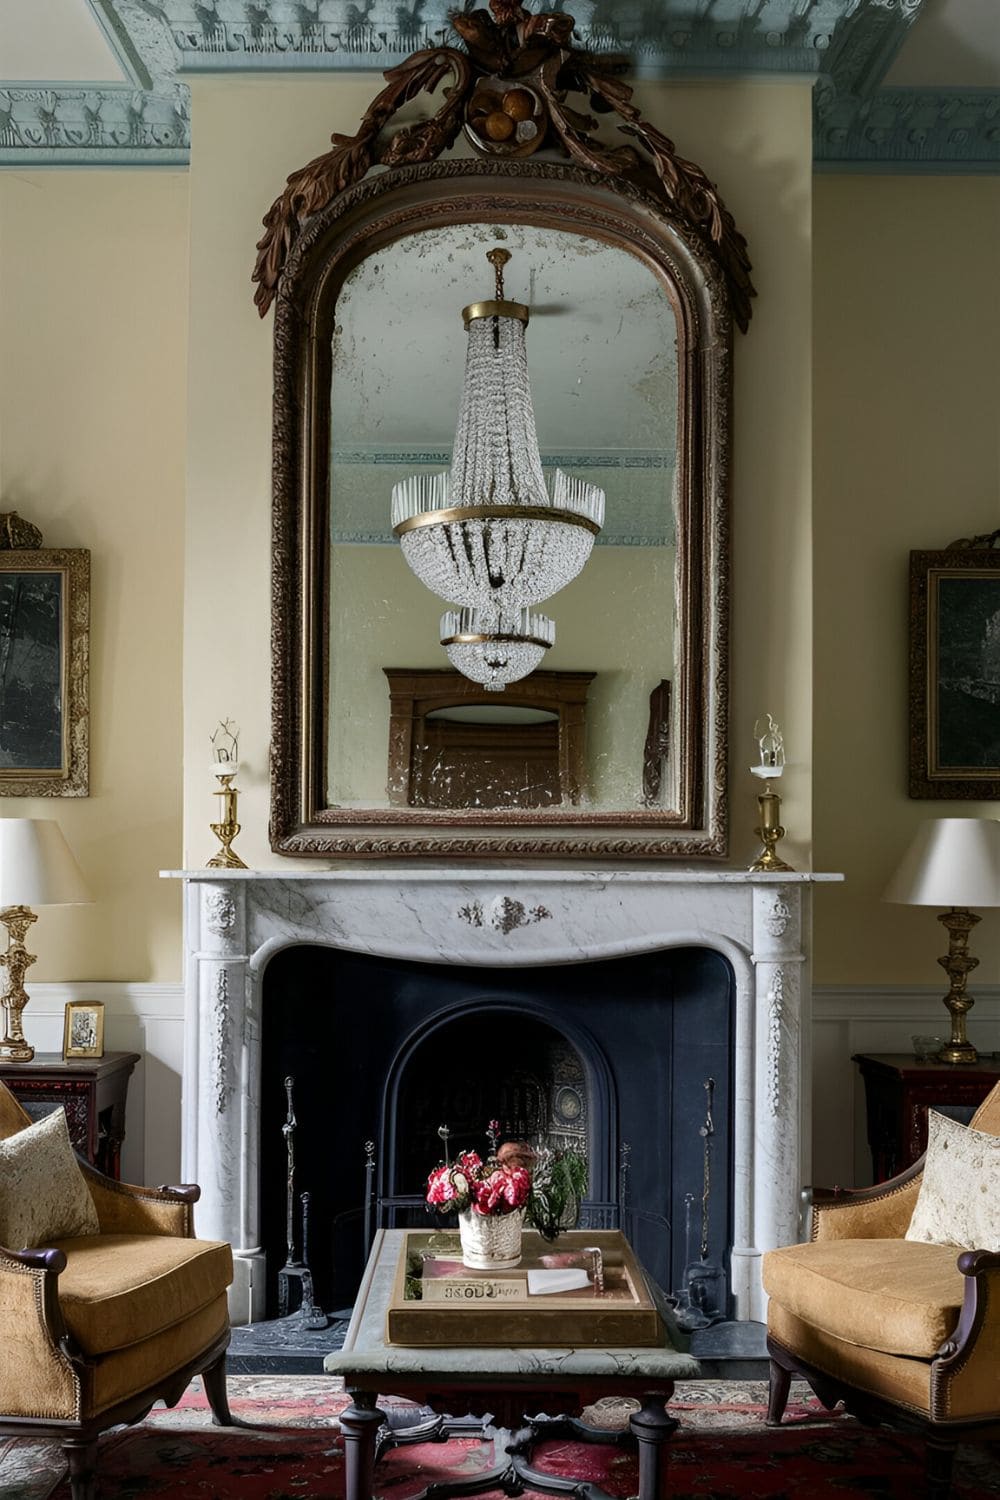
<point x="484" y="1391"/>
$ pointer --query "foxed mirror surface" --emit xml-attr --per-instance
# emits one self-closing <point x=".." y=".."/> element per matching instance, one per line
<point x="602" y="349"/>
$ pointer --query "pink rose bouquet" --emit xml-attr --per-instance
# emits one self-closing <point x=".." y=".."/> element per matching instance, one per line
<point x="487" y="1187"/>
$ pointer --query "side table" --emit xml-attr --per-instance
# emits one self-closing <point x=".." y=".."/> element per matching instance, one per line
<point x="92" y="1090"/>
<point x="898" y="1092"/>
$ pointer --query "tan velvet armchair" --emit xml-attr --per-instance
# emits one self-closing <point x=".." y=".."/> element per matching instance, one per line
<point x="902" y="1332"/>
<point x="94" y="1330"/>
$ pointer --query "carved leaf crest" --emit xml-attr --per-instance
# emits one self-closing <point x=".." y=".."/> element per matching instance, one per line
<point x="510" y="45"/>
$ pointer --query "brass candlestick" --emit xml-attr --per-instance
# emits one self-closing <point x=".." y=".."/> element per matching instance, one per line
<point x="769" y="830"/>
<point x="770" y="765"/>
<point x="227" y="827"/>
<point x="17" y="960"/>
<point x="958" y="963"/>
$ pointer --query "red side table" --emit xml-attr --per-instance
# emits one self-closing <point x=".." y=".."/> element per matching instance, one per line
<point x="898" y="1092"/>
<point x="92" y="1090"/>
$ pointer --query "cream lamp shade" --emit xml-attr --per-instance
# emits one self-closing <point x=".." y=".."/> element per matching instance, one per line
<point x="954" y="863"/>
<point x="37" y="867"/>
<point x="951" y="862"/>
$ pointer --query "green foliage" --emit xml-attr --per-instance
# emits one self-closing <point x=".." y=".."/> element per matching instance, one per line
<point x="559" y="1181"/>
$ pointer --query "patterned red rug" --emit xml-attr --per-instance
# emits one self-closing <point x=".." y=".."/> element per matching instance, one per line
<point x="293" y="1448"/>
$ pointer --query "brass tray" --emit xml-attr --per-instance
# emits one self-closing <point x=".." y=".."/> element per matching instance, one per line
<point x="495" y="1308"/>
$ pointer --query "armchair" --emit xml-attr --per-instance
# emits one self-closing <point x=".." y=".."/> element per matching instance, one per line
<point x="902" y="1332"/>
<point x="97" y="1328"/>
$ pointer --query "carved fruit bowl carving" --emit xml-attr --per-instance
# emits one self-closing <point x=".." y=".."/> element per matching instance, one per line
<point x="505" y="118"/>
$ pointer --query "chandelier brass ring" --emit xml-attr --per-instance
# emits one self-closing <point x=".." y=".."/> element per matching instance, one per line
<point x="455" y="514"/>
<point x="494" y="640"/>
<point x="495" y="309"/>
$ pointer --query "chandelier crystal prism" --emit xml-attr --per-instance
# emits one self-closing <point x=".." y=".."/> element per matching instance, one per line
<point x="490" y="533"/>
<point x="495" y="649"/>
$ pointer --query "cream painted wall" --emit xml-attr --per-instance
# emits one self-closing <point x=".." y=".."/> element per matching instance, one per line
<point x="93" y="333"/>
<point x="899" y="449"/>
<point x="907" y="402"/>
<point x="755" y="139"/>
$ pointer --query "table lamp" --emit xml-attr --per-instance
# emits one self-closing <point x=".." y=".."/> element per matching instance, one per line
<point x="952" y="862"/>
<point x="37" y="868"/>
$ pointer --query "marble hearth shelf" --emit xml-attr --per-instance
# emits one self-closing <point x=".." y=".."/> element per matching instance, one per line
<point x="236" y="920"/>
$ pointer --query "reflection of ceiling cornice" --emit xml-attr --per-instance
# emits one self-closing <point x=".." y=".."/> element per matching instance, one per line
<point x="848" y="45"/>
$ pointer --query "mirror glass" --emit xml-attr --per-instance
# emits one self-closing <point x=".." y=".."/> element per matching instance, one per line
<point x="602" y="360"/>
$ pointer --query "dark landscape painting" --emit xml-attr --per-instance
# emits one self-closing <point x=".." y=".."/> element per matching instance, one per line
<point x="31" y="671"/>
<point x="968" y="680"/>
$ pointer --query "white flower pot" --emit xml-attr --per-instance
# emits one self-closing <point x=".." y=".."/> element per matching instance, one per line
<point x="491" y="1242"/>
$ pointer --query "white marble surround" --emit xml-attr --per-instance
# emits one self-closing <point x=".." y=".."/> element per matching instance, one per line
<point x="236" y="920"/>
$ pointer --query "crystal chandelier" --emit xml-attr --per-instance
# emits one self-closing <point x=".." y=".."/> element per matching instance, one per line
<point x="490" y="534"/>
<point x="495" y="649"/>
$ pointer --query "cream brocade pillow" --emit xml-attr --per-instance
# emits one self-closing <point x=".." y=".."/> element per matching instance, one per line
<point x="43" y="1194"/>
<point x="959" y="1199"/>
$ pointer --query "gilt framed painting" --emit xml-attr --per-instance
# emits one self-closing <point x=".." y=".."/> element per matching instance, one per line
<point x="44" y="672"/>
<point x="955" y="673"/>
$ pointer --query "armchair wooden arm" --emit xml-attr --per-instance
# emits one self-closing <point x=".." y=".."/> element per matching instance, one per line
<point x="38" y="1379"/>
<point x="125" y="1209"/>
<point x="37" y="1260"/>
<point x="882" y="1212"/>
<point x="964" y="1373"/>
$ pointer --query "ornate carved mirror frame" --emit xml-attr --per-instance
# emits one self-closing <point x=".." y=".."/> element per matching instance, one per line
<point x="655" y="206"/>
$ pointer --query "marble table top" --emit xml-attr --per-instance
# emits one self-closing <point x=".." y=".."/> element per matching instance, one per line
<point x="366" y="1352"/>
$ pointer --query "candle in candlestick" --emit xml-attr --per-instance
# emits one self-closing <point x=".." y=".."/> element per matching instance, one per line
<point x="225" y="765"/>
<point x="771" y="748"/>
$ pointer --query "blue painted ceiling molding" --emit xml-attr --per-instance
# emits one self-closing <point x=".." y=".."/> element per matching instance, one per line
<point x="847" y="45"/>
<point x="908" y="130"/>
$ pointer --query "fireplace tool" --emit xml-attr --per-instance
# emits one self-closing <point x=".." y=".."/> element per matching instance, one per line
<point x="296" y="1269"/>
<point x="701" y="1300"/>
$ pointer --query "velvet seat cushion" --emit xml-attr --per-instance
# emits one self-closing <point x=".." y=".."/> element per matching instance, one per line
<point x="115" y="1377"/>
<point x="118" y="1289"/>
<point x="894" y="1296"/>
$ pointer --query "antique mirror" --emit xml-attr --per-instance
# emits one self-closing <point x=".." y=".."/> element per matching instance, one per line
<point x="502" y="390"/>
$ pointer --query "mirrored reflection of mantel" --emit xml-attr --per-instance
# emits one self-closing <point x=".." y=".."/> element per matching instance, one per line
<point x="453" y="746"/>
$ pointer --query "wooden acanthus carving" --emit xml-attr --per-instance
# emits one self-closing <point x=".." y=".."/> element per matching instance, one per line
<point x="310" y="190"/>
<point x="532" y="56"/>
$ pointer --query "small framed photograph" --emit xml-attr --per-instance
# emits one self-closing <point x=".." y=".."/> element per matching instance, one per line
<point x="83" y="1029"/>
<point x="955" y="672"/>
<point x="44" y="656"/>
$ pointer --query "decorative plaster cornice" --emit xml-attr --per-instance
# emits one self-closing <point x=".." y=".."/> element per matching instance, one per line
<point x="922" y="130"/>
<point x="668" y="36"/>
<point x="107" y="126"/>
<point x="848" y="45"/>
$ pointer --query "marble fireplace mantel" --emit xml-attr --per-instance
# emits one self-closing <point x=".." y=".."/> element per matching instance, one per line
<point x="235" y="920"/>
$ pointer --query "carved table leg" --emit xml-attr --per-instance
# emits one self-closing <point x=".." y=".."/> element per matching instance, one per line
<point x="652" y="1429"/>
<point x="359" y="1425"/>
<point x="112" y="1145"/>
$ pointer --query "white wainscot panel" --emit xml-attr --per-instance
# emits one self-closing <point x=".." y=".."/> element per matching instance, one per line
<point x="143" y="1018"/>
<point x="848" y="1019"/>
